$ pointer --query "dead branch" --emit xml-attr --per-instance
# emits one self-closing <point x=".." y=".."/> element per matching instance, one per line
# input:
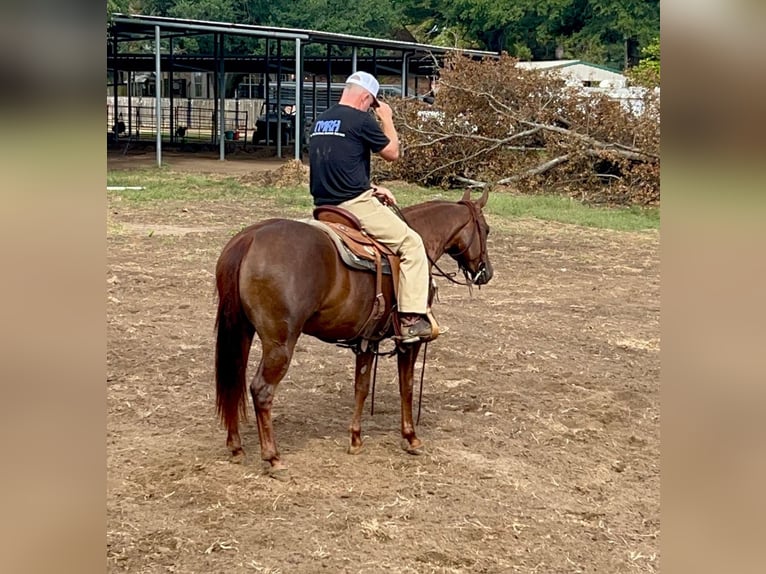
<point x="619" y="149"/>
<point x="542" y="168"/>
<point x="492" y="120"/>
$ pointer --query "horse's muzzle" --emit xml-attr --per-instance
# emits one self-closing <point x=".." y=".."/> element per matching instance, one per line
<point x="483" y="275"/>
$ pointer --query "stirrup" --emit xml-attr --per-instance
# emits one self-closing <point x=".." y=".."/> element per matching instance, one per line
<point x="436" y="330"/>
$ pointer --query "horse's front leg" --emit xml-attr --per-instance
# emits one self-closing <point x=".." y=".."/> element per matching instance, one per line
<point x="407" y="355"/>
<point x="361" y="388"/>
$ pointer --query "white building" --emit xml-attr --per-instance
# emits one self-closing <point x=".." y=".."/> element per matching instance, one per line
<point x="579" y="73"/>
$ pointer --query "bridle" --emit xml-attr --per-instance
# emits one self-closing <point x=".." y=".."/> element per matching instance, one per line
<point x="470" y="279"/>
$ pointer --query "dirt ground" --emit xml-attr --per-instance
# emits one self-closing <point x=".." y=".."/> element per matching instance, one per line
<point x="240" y="163"/>
<point x="540" y="415"/>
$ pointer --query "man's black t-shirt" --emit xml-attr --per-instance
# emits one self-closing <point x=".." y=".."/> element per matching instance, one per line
<point x="339" y="151"/>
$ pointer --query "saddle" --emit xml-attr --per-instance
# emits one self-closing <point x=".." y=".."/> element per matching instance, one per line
<point x="349" y="229"/>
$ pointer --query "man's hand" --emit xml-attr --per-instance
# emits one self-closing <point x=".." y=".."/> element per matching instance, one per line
<point x="384" y="112"/>
<point x="386" y="116"/>
<point x="384" y="195"/>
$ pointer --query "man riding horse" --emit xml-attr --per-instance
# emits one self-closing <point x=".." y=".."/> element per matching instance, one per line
<point x="340" y="146"/>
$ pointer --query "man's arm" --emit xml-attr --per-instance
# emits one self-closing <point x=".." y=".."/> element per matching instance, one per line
<point x="386" y="116"/>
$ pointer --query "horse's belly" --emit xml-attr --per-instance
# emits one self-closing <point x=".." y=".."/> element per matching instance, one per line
<point x="343" y="316"/>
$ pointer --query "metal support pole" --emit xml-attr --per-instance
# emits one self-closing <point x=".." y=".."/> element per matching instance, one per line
<point x="216" y="83"/>
<point x="266" y="96"/>
<point x="130" y="103"/>
<point x="222" y="97"/>
<point x="405" y="56"/>
<point x="115" y="83"/>
<point x="298" y="95"/>
<point x="278" y="111"/>
<point x="158" y="94"/>
<point x="314" y="97"/>
<point x="354" y="53"/>
<point x="329" y="76"/>
<point x="170" y="89"/>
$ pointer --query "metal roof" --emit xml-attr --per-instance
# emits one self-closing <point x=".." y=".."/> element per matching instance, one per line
<point x="141" y="24"/>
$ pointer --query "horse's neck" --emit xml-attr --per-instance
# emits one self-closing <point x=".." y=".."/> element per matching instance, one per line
<point x="437" y="223"/>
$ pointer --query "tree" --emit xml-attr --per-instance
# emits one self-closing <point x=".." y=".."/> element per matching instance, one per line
<point x="495" y="122"/>
<point x="121" y="6"/>
<point x="608" y="32"/>
<point x="647" y="72"/>
<point x="601" y="31"/>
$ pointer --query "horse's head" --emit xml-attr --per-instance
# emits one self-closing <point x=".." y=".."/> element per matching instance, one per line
<point x="469" y="246"/>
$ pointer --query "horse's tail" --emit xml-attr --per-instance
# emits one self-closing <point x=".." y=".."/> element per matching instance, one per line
<point x="234" y="335"/>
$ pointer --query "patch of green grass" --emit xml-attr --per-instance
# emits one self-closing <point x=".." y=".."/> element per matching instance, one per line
<point x="162" y="184"/>
<point x="291" y="198"/>
<point x="545" y="207"/>
<point x="566" y="210"/>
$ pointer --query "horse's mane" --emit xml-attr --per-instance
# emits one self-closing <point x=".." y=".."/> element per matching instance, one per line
<point x="426" y="205"/>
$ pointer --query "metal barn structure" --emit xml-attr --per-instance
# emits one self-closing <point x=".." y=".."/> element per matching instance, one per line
<point x="285" y="57"/>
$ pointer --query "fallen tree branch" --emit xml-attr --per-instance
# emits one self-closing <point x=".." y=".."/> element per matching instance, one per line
<point x="619" y="149"/>
<point x="471" y="182"/>
<point x="542" y="168"/>
<point x="444" y="137"/>
<point x="494" y="121"/>
<point x="459" y="160"/>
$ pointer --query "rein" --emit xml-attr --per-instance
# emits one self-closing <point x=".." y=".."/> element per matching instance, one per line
<point x="450" y="276"/>
<point x="375" y="376"/>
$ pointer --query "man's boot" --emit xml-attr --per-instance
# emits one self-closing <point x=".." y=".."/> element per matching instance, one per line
<point x="416" y="327"/>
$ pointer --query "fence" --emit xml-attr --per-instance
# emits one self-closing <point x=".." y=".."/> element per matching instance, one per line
<point x="193" y="120"/>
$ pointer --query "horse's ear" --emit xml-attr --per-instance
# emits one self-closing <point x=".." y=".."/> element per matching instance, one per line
<point x="484" y="196"/>
<point x="482" y="200"/>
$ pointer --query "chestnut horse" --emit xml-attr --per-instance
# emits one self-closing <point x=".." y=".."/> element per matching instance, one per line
<point x="280" y="278"/>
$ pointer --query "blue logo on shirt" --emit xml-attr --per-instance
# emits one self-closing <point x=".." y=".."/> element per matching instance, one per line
<point x="327" y="128"/>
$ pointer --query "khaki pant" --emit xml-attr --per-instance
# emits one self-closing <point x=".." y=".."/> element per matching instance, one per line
<point x="385" y="226"/>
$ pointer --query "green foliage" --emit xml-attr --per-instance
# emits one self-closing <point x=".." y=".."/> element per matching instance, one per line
<point x="604" y="32"/>
<point x="647" y="72"/>
<point x="216" y="10"/>
<point x="121" y="6"/>
<point x="599" y="31"/>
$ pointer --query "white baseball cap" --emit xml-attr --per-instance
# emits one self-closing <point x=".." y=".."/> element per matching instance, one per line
<point x="368" y="82"/>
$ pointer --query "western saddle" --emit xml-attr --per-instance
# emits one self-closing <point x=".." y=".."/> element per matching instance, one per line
<point x="349" y="229"/>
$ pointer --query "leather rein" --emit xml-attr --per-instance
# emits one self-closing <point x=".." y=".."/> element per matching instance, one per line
<point x="469" y="282"/>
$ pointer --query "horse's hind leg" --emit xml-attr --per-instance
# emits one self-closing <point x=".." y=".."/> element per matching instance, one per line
<point x="234" y="443"/>
<point x="407" y="355"/>
<point x="273" y="366"/>
<point x="361" y="388"/>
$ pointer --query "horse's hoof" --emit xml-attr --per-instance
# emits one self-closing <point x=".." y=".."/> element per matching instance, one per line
<point x="415" y="448"/>
<point x="281" y="473"/>
<point x="238" y="456"/>
<point x="355" y="449"/>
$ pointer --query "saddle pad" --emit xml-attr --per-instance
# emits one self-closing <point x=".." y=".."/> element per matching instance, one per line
<point x="349" y="258"/>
